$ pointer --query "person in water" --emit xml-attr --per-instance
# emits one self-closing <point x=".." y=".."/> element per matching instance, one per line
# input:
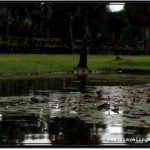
<point x="100" y="96"/>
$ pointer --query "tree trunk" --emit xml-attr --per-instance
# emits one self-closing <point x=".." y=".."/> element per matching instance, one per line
<point x="71" y="37"/>
<point x="83" y="55"/>
<point x="8" y="23"/>
<point x="146" y="39"/>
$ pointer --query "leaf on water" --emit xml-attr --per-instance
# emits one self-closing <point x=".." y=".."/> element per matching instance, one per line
<point x="87" y="118"/>
<point x="92" y="121"/>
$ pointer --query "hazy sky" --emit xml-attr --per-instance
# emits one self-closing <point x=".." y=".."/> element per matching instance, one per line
<point x="116" y="6"/>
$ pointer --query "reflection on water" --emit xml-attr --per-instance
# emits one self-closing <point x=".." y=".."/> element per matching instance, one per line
<point x="59" y="131"/>
<point x="62" y="117"/>
<point x="34" y="139"/>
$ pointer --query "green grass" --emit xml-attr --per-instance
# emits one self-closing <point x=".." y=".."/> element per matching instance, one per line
<point x="35" y="62"/>
<point x="25" y="77"/>
<point x="44" y="63"/>
<point x="128" y="62"/>
<point x="112" y="77"/>
<point x="121" y="77"/>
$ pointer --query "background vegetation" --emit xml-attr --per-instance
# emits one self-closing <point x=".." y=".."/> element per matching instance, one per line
<point x="54" y="19"/>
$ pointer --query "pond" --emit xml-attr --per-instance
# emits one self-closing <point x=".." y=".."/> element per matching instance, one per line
<point x="64" y="112"/>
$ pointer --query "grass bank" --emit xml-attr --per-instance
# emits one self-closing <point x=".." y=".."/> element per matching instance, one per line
<point x="43" y="63"/>
<point x="111" y="77"/>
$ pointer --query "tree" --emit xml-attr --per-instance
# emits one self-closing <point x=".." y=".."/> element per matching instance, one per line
<point x="83" y="55"/>
<point x="89" y="11"/>
<point x="5" y="14"/>
<point x="116" y="23"/>
<point x="139" y="15"/>
<point x="71" y="36"/>
<point x="70" y="12"/>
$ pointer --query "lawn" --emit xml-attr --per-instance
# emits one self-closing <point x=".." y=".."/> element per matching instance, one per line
<point x="45" y="62"/>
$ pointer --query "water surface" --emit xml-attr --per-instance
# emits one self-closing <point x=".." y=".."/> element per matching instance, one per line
<point x="63" y="116"/>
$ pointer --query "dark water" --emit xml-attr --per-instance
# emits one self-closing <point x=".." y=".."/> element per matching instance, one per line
<point x="71" y="123"/>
